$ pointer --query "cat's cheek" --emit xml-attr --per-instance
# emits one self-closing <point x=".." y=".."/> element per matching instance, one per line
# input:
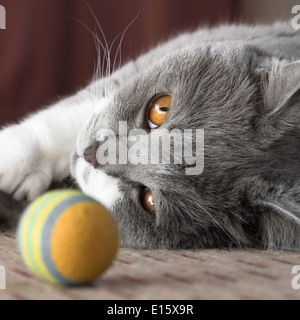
<point x="97" y="184"/>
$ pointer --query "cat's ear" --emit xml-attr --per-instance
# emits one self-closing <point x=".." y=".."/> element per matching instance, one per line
<point x="280" y="83"/>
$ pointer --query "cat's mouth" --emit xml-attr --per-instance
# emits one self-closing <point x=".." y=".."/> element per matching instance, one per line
<point x="89" y="157"/>
<point x="94" y="183"/>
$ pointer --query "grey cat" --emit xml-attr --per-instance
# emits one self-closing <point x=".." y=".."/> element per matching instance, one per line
<point x="239" y="84"/>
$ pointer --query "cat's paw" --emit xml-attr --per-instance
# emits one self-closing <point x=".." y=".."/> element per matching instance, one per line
<point x="23" y="171"/>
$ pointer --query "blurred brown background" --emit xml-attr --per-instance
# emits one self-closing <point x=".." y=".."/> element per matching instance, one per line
<point x="47" y="52"/>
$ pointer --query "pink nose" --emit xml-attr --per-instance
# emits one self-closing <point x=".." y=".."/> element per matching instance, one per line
<point x="90" y="154"/>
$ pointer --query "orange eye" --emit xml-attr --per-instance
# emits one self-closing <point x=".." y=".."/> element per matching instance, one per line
<point x="158" y="111"/>
<point x="148" y="202"/>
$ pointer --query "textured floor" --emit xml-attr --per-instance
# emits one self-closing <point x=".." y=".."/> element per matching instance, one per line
<point x="144" y="274"/>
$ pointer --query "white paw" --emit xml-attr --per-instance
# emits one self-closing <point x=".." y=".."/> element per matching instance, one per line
<point x="24" y="173"/>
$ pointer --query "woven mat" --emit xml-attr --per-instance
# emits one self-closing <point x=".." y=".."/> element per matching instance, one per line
<point x="161" y="274"/>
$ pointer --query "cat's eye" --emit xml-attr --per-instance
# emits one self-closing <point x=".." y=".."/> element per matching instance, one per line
<point x="148" y="202"/>
<point x="158" y="111"/>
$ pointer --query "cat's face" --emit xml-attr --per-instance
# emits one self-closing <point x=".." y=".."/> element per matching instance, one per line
<point x="211" y="88"/>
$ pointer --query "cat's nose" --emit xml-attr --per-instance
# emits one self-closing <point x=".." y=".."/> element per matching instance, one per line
<point x="90" y="154"/>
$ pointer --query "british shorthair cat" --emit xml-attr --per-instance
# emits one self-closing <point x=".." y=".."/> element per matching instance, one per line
<point x="226" y="102"/>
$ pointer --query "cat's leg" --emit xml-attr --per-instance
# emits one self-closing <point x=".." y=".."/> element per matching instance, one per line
<point x="36" y="151"/>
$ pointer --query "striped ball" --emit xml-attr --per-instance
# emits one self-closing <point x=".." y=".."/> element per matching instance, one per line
<point x="67" y="237"/>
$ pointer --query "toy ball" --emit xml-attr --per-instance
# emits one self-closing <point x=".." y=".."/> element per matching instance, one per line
<point x="66" y="237"/>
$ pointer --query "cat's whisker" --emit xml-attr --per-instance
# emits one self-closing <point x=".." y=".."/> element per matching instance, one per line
<point x="106" y="54"/>
<point x="222" y="228"/>
<point x="107" y="64"/>
<point x="97" y="73"/>
<point x="99" y="45"/>
<point x="118" y="51"/>
<point x="105" y="47"/>
<point x="73" y="184"/>
<point x="91" y="32"/>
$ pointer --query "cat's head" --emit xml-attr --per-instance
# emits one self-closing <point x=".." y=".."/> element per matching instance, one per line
<point x="246" y="105"/>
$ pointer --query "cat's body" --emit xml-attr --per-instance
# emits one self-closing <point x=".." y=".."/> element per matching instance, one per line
<point x="238" y="83"/>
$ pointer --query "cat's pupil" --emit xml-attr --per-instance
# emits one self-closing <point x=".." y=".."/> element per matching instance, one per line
<point x="165" y="109"/>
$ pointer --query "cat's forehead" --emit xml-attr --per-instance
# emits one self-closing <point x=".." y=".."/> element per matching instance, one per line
<point x="201" y="76"/>
<point x="178" y="69"/>
<point x="201" y="57"/>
